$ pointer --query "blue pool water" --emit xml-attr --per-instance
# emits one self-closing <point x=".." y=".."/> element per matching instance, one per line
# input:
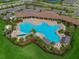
<point x="48" y="31"/>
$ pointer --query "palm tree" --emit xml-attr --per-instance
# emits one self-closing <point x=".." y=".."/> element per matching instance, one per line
<point x="33" y="30"/>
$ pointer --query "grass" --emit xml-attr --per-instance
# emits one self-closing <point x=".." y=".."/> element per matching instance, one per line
<point x="10" y="51"/>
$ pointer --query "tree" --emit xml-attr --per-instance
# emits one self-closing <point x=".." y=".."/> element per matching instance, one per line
<point x="33" y="30"/>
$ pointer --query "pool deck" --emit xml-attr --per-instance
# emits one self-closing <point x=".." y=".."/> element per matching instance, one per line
<point x="38" y="21"/>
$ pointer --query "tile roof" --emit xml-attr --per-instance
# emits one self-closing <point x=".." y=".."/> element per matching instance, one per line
<point x="48" y="14"/>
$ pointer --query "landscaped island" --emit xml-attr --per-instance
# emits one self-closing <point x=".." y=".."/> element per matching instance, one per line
<point x="44" y="31"/>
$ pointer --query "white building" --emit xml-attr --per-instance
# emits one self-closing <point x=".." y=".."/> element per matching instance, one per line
<point x="69" y="1"/>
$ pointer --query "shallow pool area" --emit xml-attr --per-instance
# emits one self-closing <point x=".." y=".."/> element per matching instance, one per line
<point x="21" y="34"/>
<point x="49" y="31"/>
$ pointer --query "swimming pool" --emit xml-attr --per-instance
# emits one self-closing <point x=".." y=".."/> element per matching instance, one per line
<point x="47" y="30"/>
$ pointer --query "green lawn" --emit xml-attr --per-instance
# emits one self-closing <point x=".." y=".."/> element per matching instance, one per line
<point x="10" y="51"/>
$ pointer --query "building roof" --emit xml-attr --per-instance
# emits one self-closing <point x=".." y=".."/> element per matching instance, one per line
<point x="48" y="14"/>
<point x="69" y="1"/>
<point x="37" y="14"/>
